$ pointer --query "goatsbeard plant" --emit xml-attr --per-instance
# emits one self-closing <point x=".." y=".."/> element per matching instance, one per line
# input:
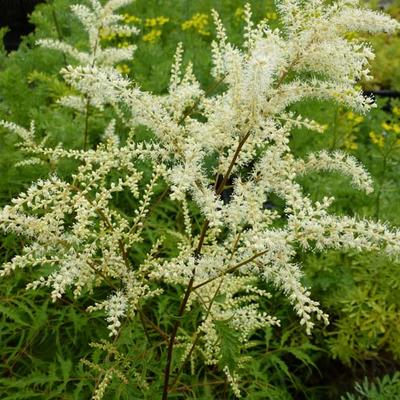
<point x="200" y="143"/>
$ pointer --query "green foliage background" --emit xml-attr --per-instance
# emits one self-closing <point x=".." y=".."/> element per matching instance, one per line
<point x="42" y="344"/>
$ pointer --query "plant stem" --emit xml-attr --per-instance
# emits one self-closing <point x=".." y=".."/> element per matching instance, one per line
<point x="187" y="358"/>
<point x="221" y="186"/>
<point x="230" y="269"/>
<point x="153" y="325"/>
<point x="218" y="190"/>
<point x="206" y="224"/>
<point x="86" y="129"/>
<point x="171" y="343"/>
<point x="207" y="92"/>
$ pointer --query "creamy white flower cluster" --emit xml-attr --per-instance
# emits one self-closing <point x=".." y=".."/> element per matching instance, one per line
<point x="97" y="20"/>
<point x="74" y="229"/>
<point x="238" y="137"/>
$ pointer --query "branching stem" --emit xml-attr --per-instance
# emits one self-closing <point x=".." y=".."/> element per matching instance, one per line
<point x="86" y="129"/>
<point x="230" y="270"/>
<point x="206" y="224"/>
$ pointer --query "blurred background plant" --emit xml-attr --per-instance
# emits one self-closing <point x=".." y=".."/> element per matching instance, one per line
<point x="386" y="388"/>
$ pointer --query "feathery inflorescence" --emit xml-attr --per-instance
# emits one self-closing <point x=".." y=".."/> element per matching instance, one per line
<point x="73" y="227"/>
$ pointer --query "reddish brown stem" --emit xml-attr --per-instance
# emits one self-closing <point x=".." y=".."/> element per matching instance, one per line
<point x="219" y="189"/>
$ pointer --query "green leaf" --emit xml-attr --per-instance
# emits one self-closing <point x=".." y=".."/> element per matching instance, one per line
<point x="229" y="343"/>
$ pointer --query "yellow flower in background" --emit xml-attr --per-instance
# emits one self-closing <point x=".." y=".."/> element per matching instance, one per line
<point x="104" y="35"/>
<point x="123" y="44"/>
<point x="152" y="36"/>
<point x="357" y="119"/>
<point x="199" y="22"/>
<point x="396" y="111"/>
<point x="157" y="21"/>
<point x="132" y="19"/>
<point x="162" y="20"/>
<point x="390" y="127"/>
<point x="150" y="22"/>
<point x="239" y="13"/>
<point x="350" y="143"/>
<point x="123" y="69"/>
<point x="377" y="139"/>
<point x="272" y="16"/>
<point x="387" y="126"/>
